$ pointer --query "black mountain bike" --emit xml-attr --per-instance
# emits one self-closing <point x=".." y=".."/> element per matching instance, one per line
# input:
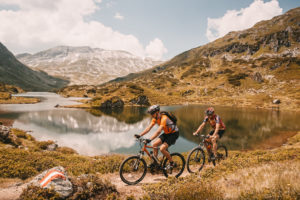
<point x="196" y="158"/>
<point x="134" y="169"/>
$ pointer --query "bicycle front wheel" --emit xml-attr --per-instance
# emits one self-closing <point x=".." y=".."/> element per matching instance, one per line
<point x="196" y="160"/>
<point x="133" y="170"/>
<point x="177" y="168"/>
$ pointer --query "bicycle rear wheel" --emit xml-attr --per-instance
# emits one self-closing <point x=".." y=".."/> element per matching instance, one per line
<point x="177" y="168"/>
<point x="133" y="170"/>
<point x="222" y="153"/>
<point x="196" y="160"/>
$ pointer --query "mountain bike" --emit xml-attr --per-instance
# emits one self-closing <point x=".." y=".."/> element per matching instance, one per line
<point x="196" y="158"/>
<point x="133" y="169"/>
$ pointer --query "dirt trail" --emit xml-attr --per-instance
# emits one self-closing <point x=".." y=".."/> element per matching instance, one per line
<point x="136" y="190"/>
<point x="12" y="192"/>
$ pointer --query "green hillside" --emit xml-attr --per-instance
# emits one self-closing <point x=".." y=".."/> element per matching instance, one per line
<point x="13" y="72"/>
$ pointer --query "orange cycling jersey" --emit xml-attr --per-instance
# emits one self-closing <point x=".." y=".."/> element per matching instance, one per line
<point x="169" y="126"/>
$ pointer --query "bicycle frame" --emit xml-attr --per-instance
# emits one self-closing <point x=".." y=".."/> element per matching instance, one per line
<point x="205" y="142"/>
<point x="145" y="150"/>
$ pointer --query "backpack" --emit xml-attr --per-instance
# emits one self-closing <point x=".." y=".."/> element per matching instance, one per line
<point x="170" y="115"/>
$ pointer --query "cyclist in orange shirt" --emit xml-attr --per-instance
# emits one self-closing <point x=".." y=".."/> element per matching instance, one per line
<point x="217" y="125"/>
<point x="168" y="138"/>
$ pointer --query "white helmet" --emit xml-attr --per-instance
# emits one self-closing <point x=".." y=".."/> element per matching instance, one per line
<point x="153" y="109"/>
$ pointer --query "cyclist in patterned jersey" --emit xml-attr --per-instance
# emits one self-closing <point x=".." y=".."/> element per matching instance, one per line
<point x="168" y="138"/>
<point x="217" y="125"/>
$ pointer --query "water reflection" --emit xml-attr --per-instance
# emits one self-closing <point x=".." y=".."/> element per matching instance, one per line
<point x="96" y="132"/>
<point x="245" y="128"/>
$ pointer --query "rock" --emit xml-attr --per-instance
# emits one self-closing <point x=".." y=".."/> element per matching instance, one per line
<point x="4" y="133"/>
<point x="275" y="66"/>
<point x="257" y="77"/>
<point x="60" y="181"/>
<point x="114" y="102"/>
<point x="187" y="93"/>
<point x="276" y="101"/>
<point x="56" y="106"/>
<point x="141" y="100"/>
<point x="52" y="147"/>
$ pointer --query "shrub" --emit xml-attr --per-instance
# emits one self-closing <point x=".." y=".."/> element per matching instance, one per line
<point x="22" y="134"/>
<point x="34" y="192"/>
<point x="92" y="187"/>
<point x="44" y="144"/>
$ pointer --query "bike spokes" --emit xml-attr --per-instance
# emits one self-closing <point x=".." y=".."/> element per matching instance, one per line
<point x="222" y="153"/>
<point x="196" y="160"/>
<point x="133" y="170"/>
<point x="175" y="169"/>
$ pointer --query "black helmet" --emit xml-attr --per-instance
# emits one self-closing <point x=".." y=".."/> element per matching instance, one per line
<point x="153" y="109"/>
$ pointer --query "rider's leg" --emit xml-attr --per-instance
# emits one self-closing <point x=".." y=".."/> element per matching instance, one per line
<point x="214" y="143"/>
<point x="163" y="149"/>
<point x="155" y="146"/>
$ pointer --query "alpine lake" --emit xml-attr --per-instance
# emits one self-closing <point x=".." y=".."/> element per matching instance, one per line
<point x="96" y="132"/>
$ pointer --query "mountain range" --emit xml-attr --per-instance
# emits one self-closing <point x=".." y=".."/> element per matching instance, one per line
<point x="86" y="65"/>
<point x="13" y="72"/>
<point x="252" y="67"/>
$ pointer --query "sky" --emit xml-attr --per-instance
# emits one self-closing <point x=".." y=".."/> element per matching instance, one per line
<point x="160" y="29"/>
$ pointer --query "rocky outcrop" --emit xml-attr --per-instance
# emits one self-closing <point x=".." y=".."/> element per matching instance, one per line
<point x="58" y="180"/>
<point x="187" y="93"/>
<point x="114" y="102"/>
<point x="4" y="133"/>
<point x="141" y="100"/>
<point x="257" y="77"/>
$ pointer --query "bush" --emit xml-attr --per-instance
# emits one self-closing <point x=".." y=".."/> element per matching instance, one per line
<point x="92" y="187"/>
<point x="22" y="134"/>
<point x="34" y="192"/>
<point x="44" y="144"/>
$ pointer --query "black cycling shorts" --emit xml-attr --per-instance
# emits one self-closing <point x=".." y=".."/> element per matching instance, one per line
<point x="220" y="133"/>
<point x="170" y="138"/>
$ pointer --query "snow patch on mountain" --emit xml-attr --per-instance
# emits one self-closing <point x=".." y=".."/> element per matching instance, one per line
<point x="86" y="65"/>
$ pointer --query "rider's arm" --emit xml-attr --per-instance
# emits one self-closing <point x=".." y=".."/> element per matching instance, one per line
<point x="147" y="129"/>
<point x="160" y="128"/>
<point x="199" y="129"/>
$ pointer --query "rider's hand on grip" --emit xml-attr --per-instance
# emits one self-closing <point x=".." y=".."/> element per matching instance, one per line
<point x="137" y="136"/>
<point x="147" y="141"/>
<point x="195" y="133"/>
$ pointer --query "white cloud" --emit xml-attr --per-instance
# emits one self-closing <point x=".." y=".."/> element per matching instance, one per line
<point x="119" y="16"/>
<point x="245" y="18"/>
<point x="38" y="25"/>
<point x="156" y="49"/>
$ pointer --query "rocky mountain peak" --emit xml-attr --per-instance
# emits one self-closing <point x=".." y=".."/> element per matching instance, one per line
<point x="86" y="65"/>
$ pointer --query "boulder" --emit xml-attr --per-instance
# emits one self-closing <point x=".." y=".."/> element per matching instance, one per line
<point x="276" y="101"/>
<point x="187" y="93"/>
<point x="57" y="179"/>
<point x="117" y="102"/>
<point x="4" y="133"/>
<point x="257" y="77"/>
<point x="114" y="102"/>
<point x="141" y="100"/>
<point x="52" y="147"/>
